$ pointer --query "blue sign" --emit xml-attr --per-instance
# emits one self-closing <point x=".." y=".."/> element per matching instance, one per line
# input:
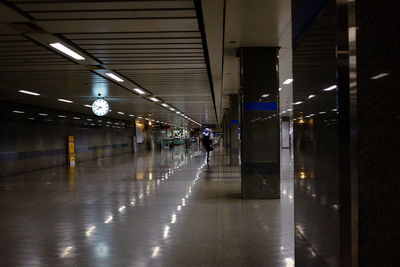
<point x="260" y="106"/>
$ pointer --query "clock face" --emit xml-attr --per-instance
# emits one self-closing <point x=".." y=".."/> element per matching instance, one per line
<point x="100" y="107"/>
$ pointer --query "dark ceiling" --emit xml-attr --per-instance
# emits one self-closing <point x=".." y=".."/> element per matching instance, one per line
<point x="153" y="45"/>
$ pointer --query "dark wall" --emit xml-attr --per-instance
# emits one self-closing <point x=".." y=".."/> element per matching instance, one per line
<point x="378" y="45"/>
<point x="316" y="145"/>
<point x="27" y="145"/>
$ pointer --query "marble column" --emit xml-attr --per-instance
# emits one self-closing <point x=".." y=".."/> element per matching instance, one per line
<point x="260" y="148"/>
<point x="234" y="129"/>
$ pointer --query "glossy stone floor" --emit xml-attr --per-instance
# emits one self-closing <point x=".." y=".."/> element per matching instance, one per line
<point x="164" y="208"/>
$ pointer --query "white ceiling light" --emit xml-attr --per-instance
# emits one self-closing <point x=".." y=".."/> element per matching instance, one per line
<point x="288" y="81"/>
<point x="311" y="96"/>
<point x="130" y="115"/>
<point x="114" y="77"/>
<point x="333" y="87"/>
<point x="88" y="106"/>
<point x="172" y="109"/>
<point x="379" y="76"/>
<point x="335" y="109"/>
<point x="119" y="112"/>
<point x="265" y="95"/>
<point x="298" y="103"/>
<point x="65" y="100"/>
<point x="62" y="116"/>
<point x="76" y="118"/>
<point x="140" y="117"/>
<point x="322" y="112"/>
<point x="154" y="99"/>
<point x="164" y="105"/>
<point x="67" y="51"/>
<point x="178" y="112"/>
<point x="43" y="114"/>
<point x="18" y="111"/>
<point x="28" y="92"/>
<point x="139" y="91"/>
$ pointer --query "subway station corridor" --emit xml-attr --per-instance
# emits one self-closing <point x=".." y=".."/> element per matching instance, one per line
<point x="167" y="208"/>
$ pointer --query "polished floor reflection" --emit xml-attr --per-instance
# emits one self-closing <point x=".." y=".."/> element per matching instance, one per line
<point x="165" y="208"/>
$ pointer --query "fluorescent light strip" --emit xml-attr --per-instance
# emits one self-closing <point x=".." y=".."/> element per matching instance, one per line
<point x="119" y="112"/>
<point x="65" y="100"/>
<point x="288" y="81"/>
<point x="88" y="106"/>
<point x="67" y="51"/>
<point x="139" y="91"/>
<point x="62" y="116"/>
<point x="28" y="92"/>
<point x="379" y="76"/>
<point x="298" y="103"/>
<point x="311" y="96"/>
<point x="114" y="77"/>
<point x="42" y="114"/>
<point x="333" y="87"/>
<point x="154" y="99"/>
<point x="164" y="105"/>
<point x="18" y="111"/>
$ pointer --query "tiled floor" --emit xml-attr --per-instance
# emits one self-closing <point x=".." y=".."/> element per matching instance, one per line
<point x="164" y="208"/>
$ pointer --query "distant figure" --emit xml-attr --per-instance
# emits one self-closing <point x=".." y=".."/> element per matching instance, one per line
<point x="207" y="141"/>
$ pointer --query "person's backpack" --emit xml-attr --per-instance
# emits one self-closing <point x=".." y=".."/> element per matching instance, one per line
<point x="206" y="136"/>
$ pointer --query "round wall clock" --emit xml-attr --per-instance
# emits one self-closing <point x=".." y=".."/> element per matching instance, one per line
<point x="100" y="107"/>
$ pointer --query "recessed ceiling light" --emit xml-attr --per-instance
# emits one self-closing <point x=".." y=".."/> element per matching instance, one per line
<point x="154" y="99"/>
<point x="43" y="114"/>
<point x="18" y="111"/>
<point x="333" y="87"/>
<point x="66" y="50"/>
<point x="139" y="91"/>
<point x="88" y="106"/>
<point x="172" y="109"/>
<point x="65" y="100"/>
<point x="28" y="92"/>
<point x="131" y="115"/>
<point x="280" y="89"/>
<point x="178" y="112"/>
<point x="164" y="105"/>
<point x="114" y="77"/>
<point x="146" y="119"/>
<point x="322" y="112"/>
<point x="298" y="103"/>
<point x="140" y="117"/>
<point x="62" y="116"/>
<point x="288" y="81"/>
<point x="76" y="118"/>
<point x="119" y="112"/>
<point x="265" y="95"/>
<point x="335" y="109"/>
<point x="379" y="76"/>
<point x="311" y="96"/>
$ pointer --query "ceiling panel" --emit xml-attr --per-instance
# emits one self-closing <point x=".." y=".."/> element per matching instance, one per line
<point x="154" y="44"/>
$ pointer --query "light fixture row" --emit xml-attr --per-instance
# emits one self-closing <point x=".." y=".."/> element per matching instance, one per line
<point x="71" y="53"/>
<point x="69" y="102"/>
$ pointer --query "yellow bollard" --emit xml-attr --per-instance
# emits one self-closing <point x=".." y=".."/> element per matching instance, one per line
<point x="71" y="151"/>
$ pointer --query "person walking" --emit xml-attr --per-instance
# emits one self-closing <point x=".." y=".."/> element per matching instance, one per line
<point x="207" y="141"/>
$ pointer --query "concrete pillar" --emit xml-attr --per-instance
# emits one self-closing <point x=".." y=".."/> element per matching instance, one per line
<point x="226" y="132"/>
<point x="234" y="129"/>
<point x="260" y="149"/>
